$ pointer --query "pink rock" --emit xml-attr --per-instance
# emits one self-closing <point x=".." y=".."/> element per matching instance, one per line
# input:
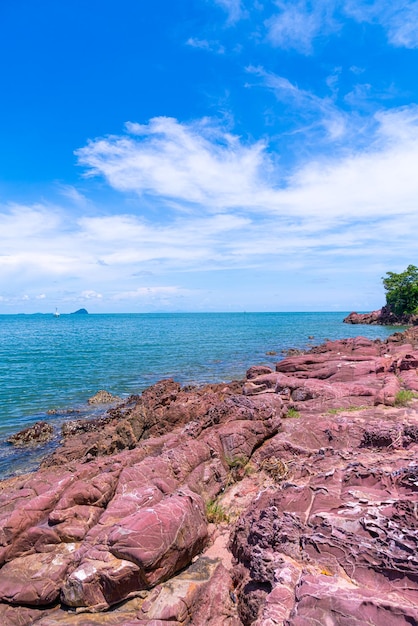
<point x="22" y="616"/>
<point x="98" y="583"/>
<point x="162" y="539"/>
<point x="29" y="509"/>
<point x="35" y="580"/>
<point x="116" y="517"/>
<point x="322" y="599"/>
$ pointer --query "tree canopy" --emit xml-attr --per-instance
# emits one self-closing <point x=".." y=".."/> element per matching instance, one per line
<point x="402" y="291"/>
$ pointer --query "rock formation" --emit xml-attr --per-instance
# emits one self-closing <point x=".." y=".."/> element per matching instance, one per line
<point x="288" y="498"/>
<point x="383" y="317"/>
<point x="33" y="435"/>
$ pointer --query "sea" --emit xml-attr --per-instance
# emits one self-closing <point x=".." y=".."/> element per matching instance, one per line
<point x="50" y="366"/>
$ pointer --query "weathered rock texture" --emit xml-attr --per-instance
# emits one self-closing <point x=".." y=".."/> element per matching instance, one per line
<point x="38" y="433"/>
<point x="290" y="498"/>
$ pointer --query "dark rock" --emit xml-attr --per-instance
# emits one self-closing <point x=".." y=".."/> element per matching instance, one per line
<point x="293" y="352"/>
<point x="33" y="435"/>
<point x="63" y="411"/>
<point x="103" y="397"/>
<point x="257" y="370"/>
<point x="383" y="316"/>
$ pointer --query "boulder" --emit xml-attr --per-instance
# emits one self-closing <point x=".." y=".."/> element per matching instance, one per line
<point x="103" y="397"/>
<point x="33" y="435"/>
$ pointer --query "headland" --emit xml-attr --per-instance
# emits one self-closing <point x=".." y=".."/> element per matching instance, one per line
<point x="382" y="317"/>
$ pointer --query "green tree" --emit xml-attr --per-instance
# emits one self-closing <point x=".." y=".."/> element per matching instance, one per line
<point x="402" y="291"/>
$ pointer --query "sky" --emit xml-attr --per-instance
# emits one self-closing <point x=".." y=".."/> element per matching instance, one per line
<point x="206" y="155"/>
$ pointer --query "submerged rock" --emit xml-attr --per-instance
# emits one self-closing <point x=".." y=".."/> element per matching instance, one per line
<point x="103" y="397"/>
<point x="33" y="435"/>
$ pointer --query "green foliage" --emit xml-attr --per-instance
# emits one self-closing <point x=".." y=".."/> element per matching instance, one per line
<point x="237" y="468"/>
<point x="216" y="513"/>
<point x="404" y="396"/>
<point x="291" y="412"/>
<point x="402" y="291"/>
<point x="237" y="462"/>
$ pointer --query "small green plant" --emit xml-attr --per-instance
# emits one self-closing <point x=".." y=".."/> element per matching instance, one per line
<point x="216" y="513"/>
<point x="291" y="412"/>
<point x="237" y="468"/>
<point x="250" y="469"/>
<point x="404" y="397"/>
<point x="237" y="462"/>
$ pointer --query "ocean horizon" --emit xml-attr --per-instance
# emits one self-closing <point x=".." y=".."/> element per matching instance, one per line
<point x="50" y="366"/>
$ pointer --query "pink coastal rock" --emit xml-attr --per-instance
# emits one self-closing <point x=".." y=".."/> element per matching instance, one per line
<point x="119" y="527"/>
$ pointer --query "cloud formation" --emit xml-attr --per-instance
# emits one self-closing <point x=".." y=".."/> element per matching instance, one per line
<point x="300" y="25"/>
<point x="290" y="161"/>
<point x="188" y="163"/>
<point x="297" y="24"/>
<point x="316" y="112"/>
<point x="197" y="167"/>
<point x="241" y="216"/>
<point x="233" y="8"/>
<point x="398" y="19"/>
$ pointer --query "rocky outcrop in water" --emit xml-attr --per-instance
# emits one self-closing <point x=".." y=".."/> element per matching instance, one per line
<point x="289" y="498"/>
<point x="383" y="317"/>
<point x="33" y="435"/>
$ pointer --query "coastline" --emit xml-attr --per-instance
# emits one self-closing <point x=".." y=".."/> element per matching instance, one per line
<point x="320" y="443"/>
<point x="381" y="317"/>
<point x="56" y="365"/>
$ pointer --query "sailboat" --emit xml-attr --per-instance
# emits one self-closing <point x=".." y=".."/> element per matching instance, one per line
<point x="56" y="314"/>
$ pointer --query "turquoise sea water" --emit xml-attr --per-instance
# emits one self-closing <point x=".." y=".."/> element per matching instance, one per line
<point x="58" y="363"/>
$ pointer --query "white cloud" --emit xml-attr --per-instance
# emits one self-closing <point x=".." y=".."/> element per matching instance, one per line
<point x="204" y="44"/>
<point x="377" y="183"/>
<point x="191" y="163"/>
<point x="233" y="8"/>
<point x="298" y="24"/>
<point x="220" y="173"/>
<point x="150" y="293"/>
<point x="20" y="221"/>
<point x="361" y="207"/>
<point x="73" y="194"/>
<point x="399" y="19"/>
<point x="319" y="111"/>
<point x="90" y="294"/>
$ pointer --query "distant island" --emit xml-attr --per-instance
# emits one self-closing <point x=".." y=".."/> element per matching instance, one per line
<point x="80" y="312"/>
<point x="401" y="308"/>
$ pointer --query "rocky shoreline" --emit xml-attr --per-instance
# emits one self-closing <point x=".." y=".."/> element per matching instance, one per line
<point x="382" y="317"/>
<point x="288" y="498"/>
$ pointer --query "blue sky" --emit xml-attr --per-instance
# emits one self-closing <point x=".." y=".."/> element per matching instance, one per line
<point x="206" y="155"/>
